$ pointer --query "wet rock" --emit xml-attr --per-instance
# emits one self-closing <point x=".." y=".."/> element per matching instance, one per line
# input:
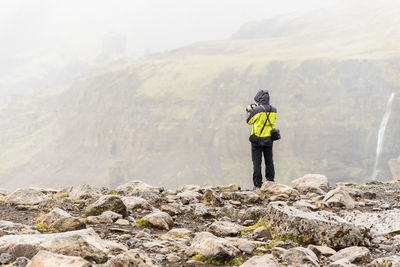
<point x="83" y="243"/>
<point x="84" y="191"/>
<point x="299" y="256"/>
<point x="339" y="198"/>
<point x="62" y="221"/>
<point x="261" y="261"/>
<point x="160" y="220"/>
<point x="272" y="189"/>
<point x="224" y="228"/>
<point x="48" y="259"/>
<point x="311" y="183"/>
<point x="135" y="258"/>
<point x="321" y="228"/>
<point x="26" y="196"/>
<point x="213" y="247"/>
<point x="108" y="202"/>
<point x="352" y="254"/>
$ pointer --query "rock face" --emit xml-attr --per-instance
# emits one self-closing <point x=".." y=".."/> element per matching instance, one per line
<point x="83" y="243"/>
<point x="48" y="259"/>
<point x="108" y="202"/>
<point x="321" y="228"/>
<point x="26" y="196"/>
<point x="311" y="183"/>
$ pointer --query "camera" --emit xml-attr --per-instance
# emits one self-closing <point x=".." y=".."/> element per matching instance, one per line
<point x="251" y="106"/>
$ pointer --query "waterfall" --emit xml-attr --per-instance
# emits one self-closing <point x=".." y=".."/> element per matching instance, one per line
<point x="381" y="134"/>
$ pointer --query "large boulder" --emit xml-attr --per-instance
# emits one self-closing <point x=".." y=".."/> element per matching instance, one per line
<point x="26" y="196"/>
<point x="48" y="259"/>
<point x="339" y="197"/>
<point x="160" y="220"/>
<point x="132" y="203"/>
<point x="225" y="228"/>
<point x="320" y="228"/>
<point x="83" y="243"/>
<point x="274" y="189"/>
<point x="104" y="203"/>
<point x="62" y="221"/>
<point x="84" y="191"/>
<point x="212" y="247"/>
<point x="261" y="261"/>
<point x="311" y="183"/>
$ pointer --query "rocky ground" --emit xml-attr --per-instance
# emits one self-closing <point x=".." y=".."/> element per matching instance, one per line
<point x="307" y="224"/>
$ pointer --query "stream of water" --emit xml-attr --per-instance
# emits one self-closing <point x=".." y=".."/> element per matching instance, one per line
<point x="381" y="134"/>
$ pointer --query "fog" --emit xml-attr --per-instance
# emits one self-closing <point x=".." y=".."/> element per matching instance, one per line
<point x="104" y="92"/>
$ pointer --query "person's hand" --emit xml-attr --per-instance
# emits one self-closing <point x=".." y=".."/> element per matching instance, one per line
<point x="249" y="107"/>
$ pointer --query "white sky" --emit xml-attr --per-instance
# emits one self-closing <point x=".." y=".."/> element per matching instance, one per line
<point x="79" y="25"/>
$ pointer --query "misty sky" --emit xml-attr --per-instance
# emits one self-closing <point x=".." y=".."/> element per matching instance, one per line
<point x="152" y="25"/>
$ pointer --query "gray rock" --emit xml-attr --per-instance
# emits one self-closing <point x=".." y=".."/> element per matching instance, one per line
<point x="299" y="256"/>
<point x="83" y="243"/>
<point x="84" y="191"/>
<point x="132" y="257"/>
<point x="20" y="262"/>
<point x="7" y="227"/>
<point x="62" y="221"/>
<point x="272" y="189"/>
<point x="393" y="261"/>
<point x="253" y="213"/>
<point x="184" y="188"/>
<point x="311" y="183"/>
<point x="320" y="228"/>
<point x="5" y="258"/>
<point x="26" y="196"/>
<point x="210" y="198"/>
<point x="160" y="220"/>
<point x="322" y="250"/>
<point x="342" y="263"/>
<point x="179" y="232"/>
<point x="108" y="202"/>
<point x="173" y="258"/>
<point x="245" y="196"/>
<point x="48" y="259"/>
<point x="352" y="254"/>
<point x="339" y="197"/>
<point x="201" y="210"/>
<point x="247" y="247"/>
<point x="113" y="216"/>
<point x="132" y="203"/>
<point x="190" y="196"/>
<point x="225" y="228"/>
<point x="133" y="187"/>
<point x="261" y="261"/>
<point x="262" y="232"/>
<point x="305" y="206"/>
<point x="122" y="222"/>
<point x="210" y="246"/>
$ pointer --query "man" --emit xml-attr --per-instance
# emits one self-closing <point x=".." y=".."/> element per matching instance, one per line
<point x="262" y="117"/>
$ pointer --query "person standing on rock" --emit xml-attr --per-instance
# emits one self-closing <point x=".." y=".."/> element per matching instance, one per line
<point x="262" y="117"/>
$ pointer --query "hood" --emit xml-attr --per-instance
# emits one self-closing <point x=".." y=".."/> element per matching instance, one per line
<point x="262" y="97"/>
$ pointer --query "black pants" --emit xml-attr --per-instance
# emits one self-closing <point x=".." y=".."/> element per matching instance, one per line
<point x="256" y="155"/>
